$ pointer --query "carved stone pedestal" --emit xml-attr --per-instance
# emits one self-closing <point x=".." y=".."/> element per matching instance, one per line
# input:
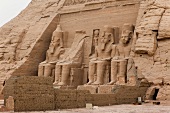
<point x="132" y="80"/>
<point x="106" y="89"/>
<point x="10" y="103"/>
<point x="144" y="83"/>
<point x="64" y="87"/>
<point x="121" y="81"/>
<point x="92" y="88"/>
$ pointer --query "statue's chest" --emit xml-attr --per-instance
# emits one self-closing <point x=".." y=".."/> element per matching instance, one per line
<point x="125" y="51"/>
<point x="105" y="51"/>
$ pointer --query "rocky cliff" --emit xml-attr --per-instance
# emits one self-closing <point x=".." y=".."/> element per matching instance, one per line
<point x="153" y="59"/>
<point x="25" y="39"/>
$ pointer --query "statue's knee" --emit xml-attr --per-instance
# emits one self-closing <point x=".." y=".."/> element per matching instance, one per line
<point x="91" y="64"/>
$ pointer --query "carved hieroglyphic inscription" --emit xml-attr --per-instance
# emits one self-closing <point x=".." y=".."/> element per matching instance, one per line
<point x="75" y="2"/>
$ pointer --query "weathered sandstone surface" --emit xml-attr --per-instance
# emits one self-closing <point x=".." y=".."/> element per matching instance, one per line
<point x="25" y="39"/>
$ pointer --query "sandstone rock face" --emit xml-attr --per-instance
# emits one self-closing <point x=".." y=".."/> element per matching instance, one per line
<point x="164" y="23"/>
<point x="20" y="37"/>
<point x="154" y="20"/>
<point x="147" y="29"/>
<point x="25" y="39"/>
<point x="164" y="93"/>
<point x="75" y="2"/>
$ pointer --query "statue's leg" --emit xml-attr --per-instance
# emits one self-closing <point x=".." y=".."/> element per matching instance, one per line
<point x="48" y="70"/>
<point x="131" y="72"/>
<point x="40" y="70"/>
<point x="107" y="73"/>
<point x="57" y="74"/>
<point x="65" y="77"/>
<point x="92" y="69"/>
<point x="101" y="67"/>
<point x="122" y="72"/>
<point x="114" y="71"/>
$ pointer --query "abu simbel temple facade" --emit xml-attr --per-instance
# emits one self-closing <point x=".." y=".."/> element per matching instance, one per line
<point x="59" y="54"/>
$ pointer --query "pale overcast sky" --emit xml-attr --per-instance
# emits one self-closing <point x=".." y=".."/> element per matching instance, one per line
<point x="10" y="9"/>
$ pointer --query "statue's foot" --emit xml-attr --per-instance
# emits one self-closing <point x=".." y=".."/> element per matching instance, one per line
<point x="111" y="83"/>
<point x="120" y="83"/>
<point x="89" y="83"/>
<point x="44" y="62"/>
<point x="55" y="83"/>
<point x="62" y="84"/>
<point x="97" y="83"/>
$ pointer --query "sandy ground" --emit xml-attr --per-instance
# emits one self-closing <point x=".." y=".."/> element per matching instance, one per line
<point x="145" y="108"/>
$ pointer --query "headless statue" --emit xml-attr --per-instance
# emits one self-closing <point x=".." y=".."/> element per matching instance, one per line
<point x="71" y="59"/>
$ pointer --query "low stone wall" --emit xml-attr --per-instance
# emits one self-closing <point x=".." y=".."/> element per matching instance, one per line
<point x="65" y="99"/>
<point x="33" y="93"/>
<point x="30" y="93"/>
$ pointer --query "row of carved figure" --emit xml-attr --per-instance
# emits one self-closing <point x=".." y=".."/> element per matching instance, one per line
<point x="109" y="63"/>
<point x="74" y="2"/>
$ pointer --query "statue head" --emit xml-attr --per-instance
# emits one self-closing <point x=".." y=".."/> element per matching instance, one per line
<point x="96" y="32"/>
<point x="127" y="33"/>
<point x="107" y="36"/>
<point x="57" y="36"/>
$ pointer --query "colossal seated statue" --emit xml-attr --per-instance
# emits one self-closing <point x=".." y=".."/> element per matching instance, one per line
<point x="46" y="68"/>
<point x="122" y="65"/>
<point x="72" y="59"/>
<point x="100" y="64"/>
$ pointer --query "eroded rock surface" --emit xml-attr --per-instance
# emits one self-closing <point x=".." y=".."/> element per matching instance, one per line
<point x="25" y="39"/>
<point x="154" y="20"/>
<point x="23" y="34"/>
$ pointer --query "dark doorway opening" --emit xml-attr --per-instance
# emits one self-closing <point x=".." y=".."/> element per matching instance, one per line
<point x="155" y="94"/>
